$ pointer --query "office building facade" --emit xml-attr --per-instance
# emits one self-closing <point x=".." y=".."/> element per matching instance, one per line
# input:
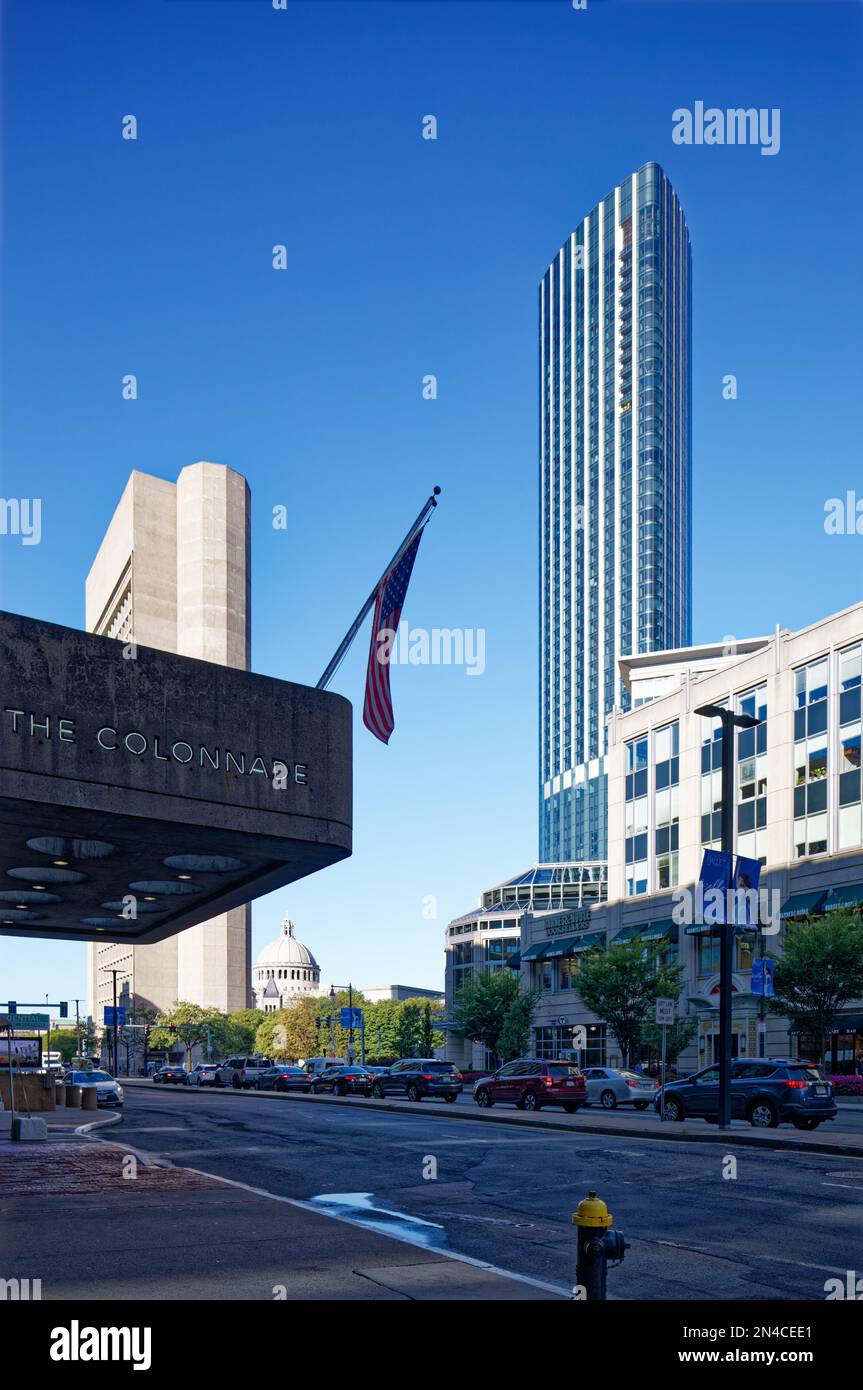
<point x="615" y="494"/>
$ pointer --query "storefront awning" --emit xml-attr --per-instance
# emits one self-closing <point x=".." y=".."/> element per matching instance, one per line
<point x="847" y="895"/>
<point x="514" y="961"/>
<point x="535" y="951"/>
<point x="563" y="946"/>
<point x="803" y="905"/>
<point x="651" y="931"/>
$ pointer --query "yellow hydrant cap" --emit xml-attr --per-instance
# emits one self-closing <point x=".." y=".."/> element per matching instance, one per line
<point x="592" y="1211"/>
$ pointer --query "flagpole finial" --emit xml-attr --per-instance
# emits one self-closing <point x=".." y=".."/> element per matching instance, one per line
<point x="436" y="491"/>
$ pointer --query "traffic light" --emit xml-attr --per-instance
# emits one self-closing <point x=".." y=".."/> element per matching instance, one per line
<point x="13" y="1006"/>
<point x="64" y="1010"/>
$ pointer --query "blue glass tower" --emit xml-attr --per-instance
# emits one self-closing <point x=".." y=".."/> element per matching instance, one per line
<point x="615" y="485"/>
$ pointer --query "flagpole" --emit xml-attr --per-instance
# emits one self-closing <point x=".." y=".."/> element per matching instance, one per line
<point x="357" y="623"/>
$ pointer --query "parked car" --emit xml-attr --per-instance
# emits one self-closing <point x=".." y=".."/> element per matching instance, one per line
<point x="108" y="1091"/>
<point x="242" y="1072"/>
<point x="171" y="1076"/>
<point x="347" y="1080"/>
<point x="765" y="1091"/>
<point x="417" y="1077"/>
<point x="204" y="1074"/>
<point x="531" y="1083"/>
<point x="284" y="1078"/>
<point x="610" y="1087"/>
<point x="313" y="1066"/>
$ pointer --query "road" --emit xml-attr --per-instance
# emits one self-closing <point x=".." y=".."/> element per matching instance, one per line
<point x="786" y="1223"/>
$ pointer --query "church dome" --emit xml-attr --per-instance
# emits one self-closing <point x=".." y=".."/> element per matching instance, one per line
<point x="284" y="970"/>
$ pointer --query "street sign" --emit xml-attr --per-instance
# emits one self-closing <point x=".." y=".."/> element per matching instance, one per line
<point x="665" y="1011"/>
<point x="352" y="1018"/>
<point x="762" y="977"/>
<point x="14" y="1020"/>
<point x="579" y="1037"/>
<point x="121" y="1016"/>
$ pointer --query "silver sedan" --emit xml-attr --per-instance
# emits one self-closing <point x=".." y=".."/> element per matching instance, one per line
<point x="609" y="1088"/>
<point x="108" y="1091"/>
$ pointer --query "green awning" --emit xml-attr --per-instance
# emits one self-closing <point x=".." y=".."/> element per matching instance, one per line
<point x="803" y="905"/>
<point x="513" y="961"/>
<point x="535" y="951"/>
<point x="588" y="941"/>
<point x="563" y="946"/>
<point x="651" y="931"/>
<point x="847" y="895"/>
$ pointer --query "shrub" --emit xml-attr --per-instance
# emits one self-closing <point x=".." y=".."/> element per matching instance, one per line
<point x="847" y="1085"/>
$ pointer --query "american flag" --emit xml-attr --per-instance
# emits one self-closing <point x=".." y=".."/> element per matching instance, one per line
<point x="378" y="707"/>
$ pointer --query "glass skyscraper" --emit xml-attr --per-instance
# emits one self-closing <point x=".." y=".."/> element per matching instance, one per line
<point x="615" y="485"/>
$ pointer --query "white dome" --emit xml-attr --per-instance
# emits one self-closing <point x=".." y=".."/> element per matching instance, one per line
<point x="286" y="950"/>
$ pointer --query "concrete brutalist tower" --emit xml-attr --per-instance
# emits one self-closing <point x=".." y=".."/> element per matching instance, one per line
<point x="173" y="572"/>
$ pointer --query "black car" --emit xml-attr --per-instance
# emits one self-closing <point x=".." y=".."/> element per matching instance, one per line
<point x="343" y="1081"/>
<point x="171" y="1076"/>
<point x="284" y="1078"/>
<point x="765" y="1091"/>
<point x="417" y="1077"/>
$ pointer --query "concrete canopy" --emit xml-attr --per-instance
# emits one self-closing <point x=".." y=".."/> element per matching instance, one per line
<point x="142" y="792"/>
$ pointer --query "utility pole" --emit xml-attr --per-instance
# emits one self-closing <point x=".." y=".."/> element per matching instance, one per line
<point x="730" y="721"/>
<point x="110" y="970"/>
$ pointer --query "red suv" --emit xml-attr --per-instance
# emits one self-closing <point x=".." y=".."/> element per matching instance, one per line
<point x="531" y="1084"/>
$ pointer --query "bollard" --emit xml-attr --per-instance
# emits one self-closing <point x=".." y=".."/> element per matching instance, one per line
<point x="73" y="1095"/>
<point x="597" y="1246"/>
<point x="89" y="1098"/>
<point x="59" y="1093"/>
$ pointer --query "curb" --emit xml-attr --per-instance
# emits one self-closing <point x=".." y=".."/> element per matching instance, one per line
<point x="771" y="1141"/>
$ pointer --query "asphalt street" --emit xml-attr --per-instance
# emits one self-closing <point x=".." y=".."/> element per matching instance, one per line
<point x="780" y="1228"/>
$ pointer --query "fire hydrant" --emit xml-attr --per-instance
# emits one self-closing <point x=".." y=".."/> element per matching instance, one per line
<point x="598" y="1246"/>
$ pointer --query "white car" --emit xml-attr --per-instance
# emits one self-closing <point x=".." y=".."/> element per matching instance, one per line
<point x="204" y="1074"/>
<point x="108" y="1091"/>
<point x="609" y="1088"/>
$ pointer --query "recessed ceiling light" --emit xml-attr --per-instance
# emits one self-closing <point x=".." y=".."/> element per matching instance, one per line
<point x="7" y="922"/>
<point x="184" y="878"/>
<point x="39" y="887"/>
<point x="61" y="863"/>
<point x="148" y="898"/>
<point x="22" y="907"/>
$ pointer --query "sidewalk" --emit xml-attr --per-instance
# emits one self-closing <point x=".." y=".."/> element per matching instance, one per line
<point x="140" y="1232"/>
<point x="829" y="1139"/>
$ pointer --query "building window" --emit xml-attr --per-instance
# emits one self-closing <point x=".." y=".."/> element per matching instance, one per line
<point x="556" y="1041"/>
<point x="666" y="755"/>
<point x="636" y="813"/>
<point x="811" y="758"/>
<point x="752" y="778"/>
<point x="849" y="821"/>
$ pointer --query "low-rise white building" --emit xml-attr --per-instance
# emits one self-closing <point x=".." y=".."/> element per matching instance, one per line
<point x="798" y="810"/>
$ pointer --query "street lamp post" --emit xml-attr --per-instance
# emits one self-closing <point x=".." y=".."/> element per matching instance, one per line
<point x="729" y="721"/>
<point x="350" y="990"/>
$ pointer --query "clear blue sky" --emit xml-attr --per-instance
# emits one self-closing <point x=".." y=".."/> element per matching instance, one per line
<point x="408" y="257"/>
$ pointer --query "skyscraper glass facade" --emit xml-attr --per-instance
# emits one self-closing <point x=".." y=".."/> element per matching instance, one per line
<point x="615" y="495"/>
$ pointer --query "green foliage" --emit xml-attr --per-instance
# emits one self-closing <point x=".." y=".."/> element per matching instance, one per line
<point x="514" y="1038"/>
<point x="621" y="983"/>
<point x="242" y="1025"/>
<point x="678" y="1036"/>
<point x="409" y="1030"/>
<point x="819" y="971"/>
<point x="481" y="1005"/>
<point x="193" y="1022"/>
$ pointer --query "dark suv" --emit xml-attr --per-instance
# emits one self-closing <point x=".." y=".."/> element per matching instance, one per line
<point x="417" y="1077"/>
<point x="531" y="1083"/>
<point x="765" y="1091"/>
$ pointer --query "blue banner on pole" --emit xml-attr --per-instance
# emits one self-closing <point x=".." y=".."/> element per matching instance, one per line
<point x="352" y="1018"/>
<point x="747" y="876"/>
<point x="762" y="977"/>
<point x="109" y="1015"/>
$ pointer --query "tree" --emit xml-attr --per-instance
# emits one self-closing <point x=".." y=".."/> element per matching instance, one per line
<point x="193" y="1024"/>
<point x="289" y="1033"/>
<point x="820" y="970"/>
<point x="408" y="1035"/>
<point x="678" y="1036"/>
<point x="514" y="1038"/>
<point x="242" y="1025"/>
<point x="480" y="1006"/>
<point x="621" y="983"/>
